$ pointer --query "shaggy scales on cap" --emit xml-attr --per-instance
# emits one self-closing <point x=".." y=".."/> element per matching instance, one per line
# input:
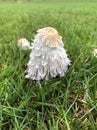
<point x="48" y="58"/>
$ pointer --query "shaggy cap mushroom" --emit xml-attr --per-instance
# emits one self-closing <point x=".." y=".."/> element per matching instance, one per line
<point x="23" y="44"/>
<point x="48" y="58"/>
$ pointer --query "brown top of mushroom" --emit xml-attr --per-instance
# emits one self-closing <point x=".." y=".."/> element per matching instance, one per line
<point x="52" y="38"/>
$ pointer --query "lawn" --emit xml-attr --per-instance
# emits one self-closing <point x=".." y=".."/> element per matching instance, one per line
<point x="68" y="103"/>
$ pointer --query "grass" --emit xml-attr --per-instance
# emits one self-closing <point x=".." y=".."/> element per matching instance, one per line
<point x="68" y="103"/>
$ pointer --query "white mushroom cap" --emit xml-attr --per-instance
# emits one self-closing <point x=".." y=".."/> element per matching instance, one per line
<point x="48" y="58"/>
<point x="23" y="44"/>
